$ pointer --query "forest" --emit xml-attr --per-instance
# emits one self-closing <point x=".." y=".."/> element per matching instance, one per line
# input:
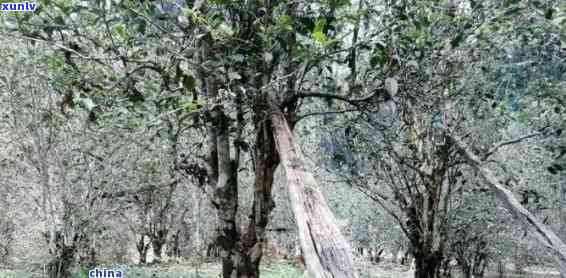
<point x="282" y="138"/>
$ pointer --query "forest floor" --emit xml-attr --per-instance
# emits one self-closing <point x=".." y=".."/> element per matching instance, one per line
<point x="274" y="269"/>
<point x="287" y="269"/>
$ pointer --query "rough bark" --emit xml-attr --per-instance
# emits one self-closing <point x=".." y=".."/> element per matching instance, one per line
<point x="554" y="245"/>
<point x="424" y="197"/>
<point x="226" y="189"/>
<point x="266" y="161"/>
<point x="240" y="251"/>
<point x="326" y="251"/>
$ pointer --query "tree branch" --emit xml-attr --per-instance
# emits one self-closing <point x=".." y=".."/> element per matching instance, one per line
<point x="300" y="117"/>
<point x="354" y="102"/>
<point x="499" y="145"/>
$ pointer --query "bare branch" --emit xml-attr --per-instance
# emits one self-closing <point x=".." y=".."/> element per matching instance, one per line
<point x="499" y="145"/>
<point x="352" y="101"/>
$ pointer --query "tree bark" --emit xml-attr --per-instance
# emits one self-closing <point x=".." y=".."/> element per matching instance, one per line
<point x="554" y="245"/>
<point x="241" y="252"/>
<point x="266" y="161"/>
<point x="226" y="189"/>
<point x="326" y="251"/>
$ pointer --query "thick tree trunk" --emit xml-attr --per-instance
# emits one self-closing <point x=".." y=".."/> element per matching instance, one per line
<point x="427" y="264"/>
<point x="266" y="161"/>
<point x="240" y="253"/>
<point x="326" y="251"/>
<point x="545" y="235"/>
<point x="226" y="196"/>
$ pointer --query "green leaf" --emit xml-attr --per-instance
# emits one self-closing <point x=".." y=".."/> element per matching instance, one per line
<point x="142" y="26"/>
<point x="192" y="106"/>
<point x="59" y="20"/>
<point x="455" y="42"/>
<point x="501" y="108"/>
<point x="508" y="3"/>
<point x="189" y="82"/>
<point x="523" y="117"/>
<point x="286" y="21"/>
<point x="380" y="56"/>
<point x="121" y="30"/>
<point x="318" y="31"/>
<point x="549" y="13"/>
<point x="512" y="11"/>
<point x="340" y="3"/>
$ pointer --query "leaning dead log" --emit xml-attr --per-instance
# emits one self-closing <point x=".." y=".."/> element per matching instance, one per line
<point x="542" y="233"/>
<point x="327" y="253"/>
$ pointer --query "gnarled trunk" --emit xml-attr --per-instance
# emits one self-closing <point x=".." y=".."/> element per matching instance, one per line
<point x="266" y="161"/>
<point x="226" y="196"/>
<point x="326" y="251"/>
<point x="241" y="251"/>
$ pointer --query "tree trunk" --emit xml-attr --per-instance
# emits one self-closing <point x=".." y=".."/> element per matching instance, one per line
<point x="240" y="254"/>
<point x="226" y="196"/>
<point x="175" y="249"/>
<point x="60" y="266"/>
<point x="427" y="259"/>
<point x="157" y="246"/>
<point x="266" y="161"/>
<point x="326" y="251"/>
<point x="142" y="249"/>
<point x="554" y="245"/>
<point x="466" y="269"/>
<point x="63" y="258"/>
<point x="427" y="266"/>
